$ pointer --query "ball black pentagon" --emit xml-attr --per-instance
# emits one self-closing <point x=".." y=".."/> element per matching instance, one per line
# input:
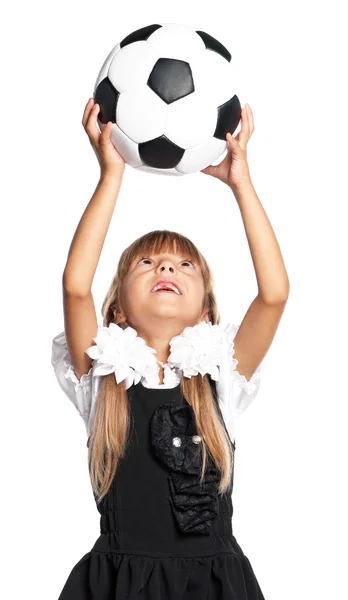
<point x="171" y="79"/>
<point x="229" y="115"/>
<point x="107" y="97"/>
<point x="160" y="153"/>
<point x="140" y="35"/>
<point x="212" y="44"/>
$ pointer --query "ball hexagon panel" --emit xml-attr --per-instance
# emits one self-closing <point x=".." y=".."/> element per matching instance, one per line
<point x="177" y="41"/>
<point x="103" y="73"/>
<point x="191" y="120"/>
<point x="148" y="169"/>
<point x="204" y="153"/>
<point x="150" y="111"/>
<point x="214" y="77"/>
<point x="128" y="149"/>
<point x="131" y="67"/>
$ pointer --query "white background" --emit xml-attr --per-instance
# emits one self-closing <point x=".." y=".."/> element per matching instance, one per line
<point x="290" y="497"/>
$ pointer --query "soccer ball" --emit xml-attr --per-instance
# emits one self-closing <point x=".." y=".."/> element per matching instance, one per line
<point x="170" y="93"/>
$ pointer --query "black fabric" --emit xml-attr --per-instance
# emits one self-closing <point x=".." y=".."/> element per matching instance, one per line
<point x="163" y="535"/>
<point x="194" y="504"/>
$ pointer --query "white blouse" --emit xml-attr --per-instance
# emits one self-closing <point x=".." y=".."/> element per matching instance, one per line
<point x="234" y="392"/>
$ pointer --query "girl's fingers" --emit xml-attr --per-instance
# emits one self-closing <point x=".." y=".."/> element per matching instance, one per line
<point x="91" y="125"/>
<point x="87" y="110"/>
<point x="210" y="170"/>
<point x="244" y="133"/>
<point x="250" y="119"/>
<point x="105" y="134"/>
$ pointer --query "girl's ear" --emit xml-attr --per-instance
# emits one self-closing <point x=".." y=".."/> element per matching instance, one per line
<point x="205" y="317"/>
<point x="118" y="316"/>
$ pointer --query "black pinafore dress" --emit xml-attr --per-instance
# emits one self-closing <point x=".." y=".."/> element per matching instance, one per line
<point x="162" y="536"/>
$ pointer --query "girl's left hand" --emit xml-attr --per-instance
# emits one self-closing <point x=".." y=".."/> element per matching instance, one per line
<point x="234" y="169"/>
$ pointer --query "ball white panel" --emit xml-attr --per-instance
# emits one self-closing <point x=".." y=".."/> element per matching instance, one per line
<point x="105" y="68"/>
<point x="201" y="156"/>
<point x="214" y="77"/>
<point x="177" y="41"/>
<point x="131" y="67"/>
<point x="191" y="120"/>
<point x="154" y="171"/>
<point x="141" y="115"/>
<point x="126" y="147"/>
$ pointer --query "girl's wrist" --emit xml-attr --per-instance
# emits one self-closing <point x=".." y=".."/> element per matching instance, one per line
<point x="242" y="187"/>
<point x="111" y="175"/>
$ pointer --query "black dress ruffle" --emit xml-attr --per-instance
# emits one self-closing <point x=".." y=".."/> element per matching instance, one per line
<point x="224" y="576"/>
<point x="177" y="445"/>
<point x="163" y="535"/>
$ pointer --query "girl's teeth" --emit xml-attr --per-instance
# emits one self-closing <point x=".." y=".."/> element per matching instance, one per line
<point x="162" y="289"/>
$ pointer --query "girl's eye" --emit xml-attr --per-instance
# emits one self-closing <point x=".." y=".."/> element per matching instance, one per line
<point x="184" y="261"/>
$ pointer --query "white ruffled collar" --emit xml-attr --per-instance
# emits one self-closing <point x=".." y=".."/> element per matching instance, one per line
<point x="199" y="349"/>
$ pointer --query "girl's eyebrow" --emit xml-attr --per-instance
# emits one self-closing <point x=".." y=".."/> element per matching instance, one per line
<point x="179" y="255"/>
<point x="151" y="254"/>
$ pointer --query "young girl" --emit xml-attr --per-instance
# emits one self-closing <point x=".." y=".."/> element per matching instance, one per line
<point x="159" y="392"/>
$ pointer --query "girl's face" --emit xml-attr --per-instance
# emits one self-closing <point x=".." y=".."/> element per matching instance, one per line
<point x="144" y="308"/>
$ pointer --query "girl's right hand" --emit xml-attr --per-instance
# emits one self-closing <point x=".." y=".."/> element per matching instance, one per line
<point x="109" y="159"/>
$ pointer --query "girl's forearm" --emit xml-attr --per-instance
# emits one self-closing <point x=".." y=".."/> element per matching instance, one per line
<point x="272" y="279"/>
<point x="88" y="240"/>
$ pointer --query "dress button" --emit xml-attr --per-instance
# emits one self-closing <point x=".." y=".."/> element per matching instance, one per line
<point x="176" y="441"/>
<point x="196" y="439"/>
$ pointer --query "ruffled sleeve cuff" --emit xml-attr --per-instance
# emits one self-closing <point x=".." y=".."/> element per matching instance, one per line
<point x="79" y="391"/>
<point x="85" y="380"/>
<point x="235" y="392"/>
<point x="250" y="386"/>
<point x="244" y="391"/>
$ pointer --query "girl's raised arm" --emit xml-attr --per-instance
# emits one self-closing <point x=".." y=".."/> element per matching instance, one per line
<point x="80" y="320"/>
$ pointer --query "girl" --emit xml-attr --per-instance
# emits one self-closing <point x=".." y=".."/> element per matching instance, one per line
<point x="159" y="393"/>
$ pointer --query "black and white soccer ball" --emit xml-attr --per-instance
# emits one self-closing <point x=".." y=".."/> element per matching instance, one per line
<point x="170" y="93"/>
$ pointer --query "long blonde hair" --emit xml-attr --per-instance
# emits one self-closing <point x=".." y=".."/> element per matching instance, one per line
<point x="107" y="443"/>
